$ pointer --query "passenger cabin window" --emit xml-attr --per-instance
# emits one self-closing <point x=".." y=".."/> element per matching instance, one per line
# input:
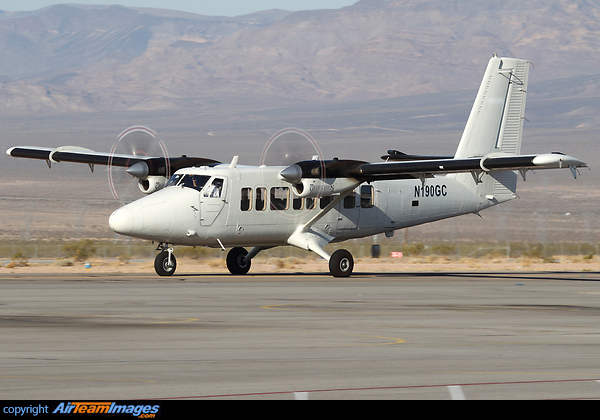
<point x="350" y="200"/>
<point x="261" y="199"/>
<point x="311" y="203"/>
<point x="190" y="181"/>
<point x="280" y="197"/>
<point x="297" y="203"/>
<point x="325" y="201"/>
<point x="246" y="203"/>
<point x="366" y="196"/>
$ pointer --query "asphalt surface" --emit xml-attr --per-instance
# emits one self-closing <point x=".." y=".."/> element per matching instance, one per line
<point x="373" y="336"/>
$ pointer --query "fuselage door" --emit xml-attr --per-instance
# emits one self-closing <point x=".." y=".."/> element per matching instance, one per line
<point x="212" y="200"/>
<point x="368" y="211"/>
<point x="348" y="212"/>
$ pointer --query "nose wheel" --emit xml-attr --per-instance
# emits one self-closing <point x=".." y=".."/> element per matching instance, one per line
<point x="165" y="263"/>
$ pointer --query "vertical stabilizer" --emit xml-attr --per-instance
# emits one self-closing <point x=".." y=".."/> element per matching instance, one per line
<point x="496" y="120"/>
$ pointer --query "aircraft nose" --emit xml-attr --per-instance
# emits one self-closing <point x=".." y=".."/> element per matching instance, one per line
<point x="121" y="221"/>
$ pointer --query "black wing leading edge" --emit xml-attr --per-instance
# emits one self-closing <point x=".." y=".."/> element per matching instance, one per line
<point x="153" y="165"/>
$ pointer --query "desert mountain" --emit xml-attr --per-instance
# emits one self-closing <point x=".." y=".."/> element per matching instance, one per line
<point x="69" y="58"/>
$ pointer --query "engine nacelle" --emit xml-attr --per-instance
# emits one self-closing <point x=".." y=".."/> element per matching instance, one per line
<point x="317" y="187"/>
<point x="152" y="184"/>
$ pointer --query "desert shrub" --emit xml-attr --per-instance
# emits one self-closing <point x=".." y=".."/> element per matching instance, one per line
<point x="535" y="251"/>
<point x="444" y="249"/>
<point x="414" y="249"/>
<point x="62" y="262"/>
<point x="80" y="250"/>
<point x="20" y="260"/>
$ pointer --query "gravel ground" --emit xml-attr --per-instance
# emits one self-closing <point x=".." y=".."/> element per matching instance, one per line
<point x="293" y="265"/>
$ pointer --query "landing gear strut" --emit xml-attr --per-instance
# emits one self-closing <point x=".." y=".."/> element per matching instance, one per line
<point x="165" y="262"/>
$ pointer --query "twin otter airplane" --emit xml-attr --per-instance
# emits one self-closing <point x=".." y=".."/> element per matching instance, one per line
<point x="312" y="203"/>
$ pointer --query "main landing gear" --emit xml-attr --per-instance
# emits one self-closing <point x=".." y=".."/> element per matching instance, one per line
<point x="341" y="263"/>
<point x="239" y="261"/>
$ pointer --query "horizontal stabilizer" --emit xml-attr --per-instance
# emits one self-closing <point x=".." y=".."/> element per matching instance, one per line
<point x="401" y="156"/>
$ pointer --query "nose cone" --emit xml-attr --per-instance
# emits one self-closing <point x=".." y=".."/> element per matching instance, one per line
<point x="121" y="221"/>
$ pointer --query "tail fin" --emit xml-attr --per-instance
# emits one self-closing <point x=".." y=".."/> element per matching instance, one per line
<point x="495" y="125"/>
<point x="496" y="120"/>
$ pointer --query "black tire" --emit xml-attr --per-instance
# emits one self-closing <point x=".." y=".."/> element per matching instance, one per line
<point x="341" y="263"/>
<point x="235" y="262"/>
<point x="162" y="266"/>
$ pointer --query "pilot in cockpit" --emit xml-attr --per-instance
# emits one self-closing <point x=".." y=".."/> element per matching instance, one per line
<point x="215" y="188"/>
<point x="197" y="182"/>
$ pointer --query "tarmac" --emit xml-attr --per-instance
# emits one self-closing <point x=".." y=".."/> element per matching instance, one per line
<point x="425" y="336"/>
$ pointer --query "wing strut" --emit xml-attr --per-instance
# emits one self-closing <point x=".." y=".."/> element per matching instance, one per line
<point x="311" y="239"/>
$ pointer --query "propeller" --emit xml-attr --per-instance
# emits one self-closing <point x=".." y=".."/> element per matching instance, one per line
<point x="136" y="141"/>
<point x="289" y="146"/>
<point x="284" y="149"/>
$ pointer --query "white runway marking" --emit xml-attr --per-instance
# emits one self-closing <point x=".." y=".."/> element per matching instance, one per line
<point x="301" y="396"/>
<point x="456" y="393"/>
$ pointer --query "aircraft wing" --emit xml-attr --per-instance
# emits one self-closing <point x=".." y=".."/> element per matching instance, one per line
<point x="427" y="168"/>
<point x="153" y="165"/>
<point x="420" y="168"/>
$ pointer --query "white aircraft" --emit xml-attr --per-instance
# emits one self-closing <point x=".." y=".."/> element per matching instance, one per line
<point x="312" y="203"/>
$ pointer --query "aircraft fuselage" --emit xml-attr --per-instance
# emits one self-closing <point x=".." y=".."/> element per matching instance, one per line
<point x="255" y="207"/>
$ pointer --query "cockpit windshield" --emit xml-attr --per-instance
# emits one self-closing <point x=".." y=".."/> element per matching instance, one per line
<point x="191" y="181"/>
<point x="174" y="180"/>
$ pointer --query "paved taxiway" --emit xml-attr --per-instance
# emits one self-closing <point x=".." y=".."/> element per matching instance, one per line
<point x="392" y="336"/>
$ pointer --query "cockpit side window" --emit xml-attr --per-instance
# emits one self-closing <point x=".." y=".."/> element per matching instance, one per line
<point x="215" y="189"/>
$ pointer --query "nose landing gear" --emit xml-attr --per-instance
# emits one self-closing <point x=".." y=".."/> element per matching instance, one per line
<point x="165" y="262"/>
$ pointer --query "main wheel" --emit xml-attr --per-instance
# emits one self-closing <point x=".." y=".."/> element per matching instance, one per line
<point x="341" y="263"/>
<point x="162" y="266"/>
<point x="235" y="262"/>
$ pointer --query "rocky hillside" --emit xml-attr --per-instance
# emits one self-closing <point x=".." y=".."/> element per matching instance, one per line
<point x="69" y="58"/>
